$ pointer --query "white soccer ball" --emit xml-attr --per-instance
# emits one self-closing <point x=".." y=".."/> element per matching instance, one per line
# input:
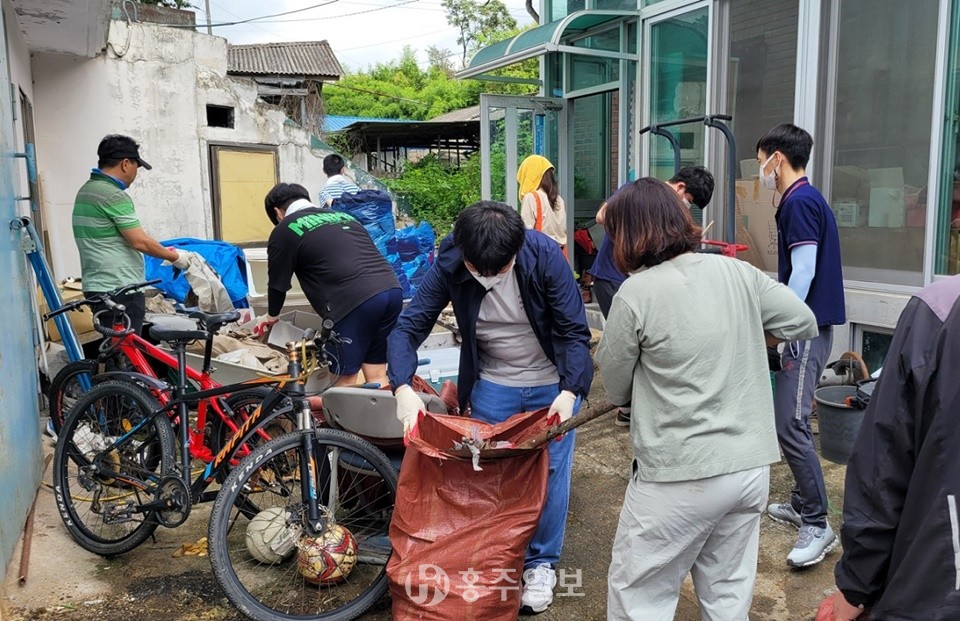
<point x="270" y="539"/>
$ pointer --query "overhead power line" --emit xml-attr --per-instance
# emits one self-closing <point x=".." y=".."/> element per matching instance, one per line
<point x="257" y="19"/>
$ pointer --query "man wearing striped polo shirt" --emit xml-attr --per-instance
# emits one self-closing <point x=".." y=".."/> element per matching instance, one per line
<point x="107" y="230"/>
<point x="337" y="183"/>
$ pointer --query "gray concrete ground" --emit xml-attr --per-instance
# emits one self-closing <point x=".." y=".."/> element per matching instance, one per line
<point x="149" y="583"/>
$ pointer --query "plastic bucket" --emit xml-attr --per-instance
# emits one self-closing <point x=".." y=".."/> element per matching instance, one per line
<point x="839" y="422"/>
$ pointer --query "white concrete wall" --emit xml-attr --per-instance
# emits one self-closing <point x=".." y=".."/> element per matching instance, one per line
<point x="154" y="84"/>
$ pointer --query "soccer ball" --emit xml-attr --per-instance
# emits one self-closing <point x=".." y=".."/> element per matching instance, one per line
<point x="327" y="558"/>
<point x="269" y="538"/>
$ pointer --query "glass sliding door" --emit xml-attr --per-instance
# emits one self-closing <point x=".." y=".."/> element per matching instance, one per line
<point x="678" y="73"/>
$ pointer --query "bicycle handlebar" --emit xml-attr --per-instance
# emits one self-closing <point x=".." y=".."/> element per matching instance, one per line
<point x="107" y="299"/>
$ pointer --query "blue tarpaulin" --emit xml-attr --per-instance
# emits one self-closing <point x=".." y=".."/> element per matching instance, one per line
<point x="227" y="260"/>
<point x="409" y="251"/>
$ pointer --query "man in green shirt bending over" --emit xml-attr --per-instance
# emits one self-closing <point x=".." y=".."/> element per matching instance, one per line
<point x="107" y="230"/>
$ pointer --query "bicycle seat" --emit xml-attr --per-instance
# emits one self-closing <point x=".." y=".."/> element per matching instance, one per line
<point x="177" y="331"/>
<point x="214" y="321"/>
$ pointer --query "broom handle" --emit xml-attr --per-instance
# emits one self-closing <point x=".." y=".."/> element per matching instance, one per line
<point x="584" y="416"/>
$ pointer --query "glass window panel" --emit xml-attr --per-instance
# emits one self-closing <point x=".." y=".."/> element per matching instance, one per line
<point x="608" y="41"/>
<point x="678" y="87"/>
<point x="650" y="2"/>
<point x="875" y="347"/>
<point x="880" y="159"/>
<point x="588" y="71"/>
<point x="761" y="79"/>
<point x="632" y="38"/>
<point x="615" y="5"/>
<point x="561" y="8"/>
<point x="498" y="154"/>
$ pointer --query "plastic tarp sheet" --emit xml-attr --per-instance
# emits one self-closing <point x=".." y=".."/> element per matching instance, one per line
<point x="227" y="260"/>
<point x="409" y="251"/>
<point x="460" y="535"/>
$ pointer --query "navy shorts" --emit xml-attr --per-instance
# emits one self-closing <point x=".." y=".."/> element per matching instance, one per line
<point x="367" y="327"/>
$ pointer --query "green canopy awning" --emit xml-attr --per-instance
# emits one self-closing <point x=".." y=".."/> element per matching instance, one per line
<point x="537" y="41"/>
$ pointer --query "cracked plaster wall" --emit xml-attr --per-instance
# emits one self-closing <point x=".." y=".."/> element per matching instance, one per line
<point x="154" y="84"/>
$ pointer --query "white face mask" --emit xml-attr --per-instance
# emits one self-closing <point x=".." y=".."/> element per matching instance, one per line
<point x="489" y="282"/>
<point x="769" y="181"/>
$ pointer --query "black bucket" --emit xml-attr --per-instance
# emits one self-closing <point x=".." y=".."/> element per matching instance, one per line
<point x="839" y="422"/>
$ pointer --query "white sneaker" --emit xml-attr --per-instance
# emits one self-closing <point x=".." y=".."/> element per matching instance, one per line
<point x="538" y="583"/>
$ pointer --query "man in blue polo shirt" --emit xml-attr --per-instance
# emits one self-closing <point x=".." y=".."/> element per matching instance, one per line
<point x="809" y="263"/>
<point x="694" y="184"/>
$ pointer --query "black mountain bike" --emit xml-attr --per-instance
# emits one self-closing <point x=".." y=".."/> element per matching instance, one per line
<point x="317" y="545"/>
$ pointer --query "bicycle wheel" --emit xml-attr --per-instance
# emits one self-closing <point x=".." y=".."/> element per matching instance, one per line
<point x="99" y="491"/>
<point x="67" y="387"/>
<point x="357" y="488"/>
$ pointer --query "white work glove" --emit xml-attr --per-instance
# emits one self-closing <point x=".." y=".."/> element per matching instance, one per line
<point x="563" y="406"/>
<point x="183" y="260"/>
<point x="264" y="324"/>
<point x="409" y="406"/>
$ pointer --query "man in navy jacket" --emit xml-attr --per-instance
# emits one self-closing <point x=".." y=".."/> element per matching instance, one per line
<point x="525" y="347"/>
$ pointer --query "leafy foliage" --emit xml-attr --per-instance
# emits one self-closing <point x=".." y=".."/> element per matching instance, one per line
<point x="400" y="89"/>
<point x="436" y="191"/>
<point x="476" y="21"/>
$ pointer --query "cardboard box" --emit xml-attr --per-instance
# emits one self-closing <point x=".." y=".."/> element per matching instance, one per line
<point x="81" y="319"/>
<point x="849" y="213"/>
<point x="757" y="207"/>
<point x="886" y="198"/>
<point x="851" y="183"/>
<point x="292" y="326"/>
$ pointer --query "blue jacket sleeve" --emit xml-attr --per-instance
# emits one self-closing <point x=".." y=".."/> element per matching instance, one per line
<point x="414" y="326"/>
<point x="570" y="333"/>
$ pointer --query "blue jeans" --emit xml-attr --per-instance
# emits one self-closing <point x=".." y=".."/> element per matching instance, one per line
<point x="494" y="403"/>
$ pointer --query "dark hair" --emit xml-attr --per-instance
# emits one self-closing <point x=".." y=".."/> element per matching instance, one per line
<point x="548" y="183"/>
<point x="698" y="182"/>
<point x="333" y="164"/>
<point x="489" y="234"/>
<point x="648" y="224"/>
<point x="115" y="143"/>
<point x="280" y="196"/>
<point x="794" y="143"/>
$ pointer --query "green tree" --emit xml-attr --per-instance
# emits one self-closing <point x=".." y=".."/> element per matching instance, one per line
<point x="476" y="21"/>
<point x="435" y="191"/>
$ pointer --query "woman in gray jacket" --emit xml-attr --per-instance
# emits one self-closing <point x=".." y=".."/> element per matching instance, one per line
<point x="685" y="341"/>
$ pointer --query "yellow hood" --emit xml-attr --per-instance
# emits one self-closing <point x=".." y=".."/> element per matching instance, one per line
<point x="531" y="172"/>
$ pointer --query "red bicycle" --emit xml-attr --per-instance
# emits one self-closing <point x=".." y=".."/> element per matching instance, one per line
<point x="125" y="355"/>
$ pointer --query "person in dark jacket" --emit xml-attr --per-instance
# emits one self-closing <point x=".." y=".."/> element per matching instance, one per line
<point x="901" y="547"/>
<point x="342" y="274"/>
<point x="525" y="347"/>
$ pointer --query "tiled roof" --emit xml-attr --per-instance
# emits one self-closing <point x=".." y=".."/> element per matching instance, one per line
<point x="305" y="58"/>
<point x="471" y="113"/>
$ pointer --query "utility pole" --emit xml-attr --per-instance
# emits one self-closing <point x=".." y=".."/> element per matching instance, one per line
<point x="209" y="28"/>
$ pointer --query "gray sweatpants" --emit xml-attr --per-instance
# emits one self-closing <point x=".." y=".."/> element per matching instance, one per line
<point x="709" y="528"/>
<point x="803" y="363"/>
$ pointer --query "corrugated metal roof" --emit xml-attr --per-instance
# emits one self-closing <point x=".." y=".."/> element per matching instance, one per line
<point x="304" y="58"/>
<point x="470" y="113"/>
<point x="336" y="122"/>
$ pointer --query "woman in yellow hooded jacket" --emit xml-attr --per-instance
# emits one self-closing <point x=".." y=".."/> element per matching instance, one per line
<point x="540" y="205"/>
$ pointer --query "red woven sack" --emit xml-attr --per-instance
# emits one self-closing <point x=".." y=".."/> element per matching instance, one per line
<point x="459" y="536"/>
